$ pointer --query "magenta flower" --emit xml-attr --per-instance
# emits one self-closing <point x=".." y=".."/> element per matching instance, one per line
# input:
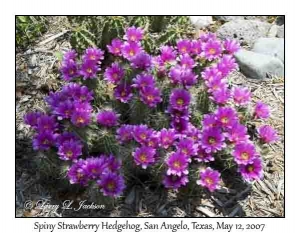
<point x="208" y="36"/>
<point x="187" y="147"/>
<point x="66" y="137"/>
<point x="184" y="46"/>
<point x="81" y="118"/>
<point x="226" y="116"/>
<point x="252" y="170"/>
<point x="134" y="34"/>
<point x="89" y="69"/>
<point x="95" y="166"/>
<point x="210" y="120"/>
<point x="43" y="140"/>
<point x="216" y="84"/>
<point x="70" y="55"/>
<point x="221" y="96"/>
<point x="69" y="70"/>
<point x="70" y="150"/>
<point x="226" y="65"/>
<point x="212" y="49"/>
<point x="77" y="92"/>
<point x="115" y="47"/>
<point x="177" y="115"/>
<point x="141" y="61"/>
<point x="231" y="46"/>
<point x="124" y="133"/>
<point x="77" y="173"/>
<point x="151" y="96"/>
<point x="131" y="49"/>
<point x="175" y="74"/>
<point x="211" y="73"/>
<point x="203" y="156"/>
<point x="167" y="54"/>
<point x="141" y="133"/>
<point x="267" y="134"/>
<point x="237" y="133"/>
<point x="83" y="107"/>
<point x="193" y="133"/>
<point x="111" y="184"/>
<point x="144" y="156"/>
<point x="46" y="123"/>
<point x="154" y="140"/>
<point x="180" y="124"/>
<point x="212" y="140"/>
<point x="123" y="92"/>
<point x="174" y="181"/>
<point x="188" y="78"/>
<point x="196" y="47"/>
<point x="93" y="54"/>
<point x="210" y="179"/>
<point x="186" y="61"/>
<point x="177" y="164"/>
<point x="112" y="164"/>
<point x="31" y="119"/>
<point x="64" y="109"/>
<point x="167" y="137"/>
<point x="180" y="99"/>
<point x="241" y="95"/>
<point x="107" y="118"/>
<point x="143" y="80"/>
<point x="261" y="110"/>
<point x="244" y="153"/>
<point x="114" y="73"/>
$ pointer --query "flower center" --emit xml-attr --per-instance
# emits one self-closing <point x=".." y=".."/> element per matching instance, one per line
<point x="211" y="140"/>
<point x="94" y="170"/>
<point x="93" y="57"/>
<point x="143" y="157"/>
<point x="123" y="93"/>
<point x="45" y="142"/>
<point x="117" y="50"/>
<point x="111" y="185"/>
<point x="209" y="180"/>
<point x="80" y="120"/>
<point x="133" y="38"/>
<point x="245" y="156"/>
<point x="184" y="151"/>
<point x="150" y="97"/>
<point x="177" y="164"/>
<point x="115" y="76"/>
<point x="224" y="120"/>
<point x="71" y="72"/>
<point x="250" y="168"/>
<point x="183" y="49"/>
<point x="212" y="51"/>
<point x="143" y="136"/>
<point x="69" y="154"/>
<point x="89" y="70"/>
<point x="179" y="101"/>
<point x="131" y="52"/>
<point x="79" y="175"/>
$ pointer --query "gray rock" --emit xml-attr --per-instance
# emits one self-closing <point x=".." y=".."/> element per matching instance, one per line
<point x="280" y="20"/>
<point x="273" y="31"/>
<point x="228" y="18"/>
<point x="246" y="31"/>
<point x="270" y="46"/>
<point x="201" y="21"/>
<point x="280" y="32"/>
<point x="259" y="66"/>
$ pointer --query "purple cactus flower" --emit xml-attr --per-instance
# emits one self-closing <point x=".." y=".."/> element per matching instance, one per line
<point x="46" y="123"/>
<point x="211" y="73"/>
<point x="124" y="133"/>
<point x="226" y="116"/>
<point x="43" y="140"/>
<point x="114" y="74"/>
<point x="77" y="173"/>
<point x="111" y="184"/>
<point x="210" y="179"/>
<point x="93" y="54"/>
<point x="208" y="36"/>
<point x="212" y="49"/>
<point x="31" y="119"/>
<point x="196" y="47"/>
<point x="64" y="109"/>
<point x="70" y="55"/>
<point x="186" y="61"/>
<point x="221" y="96"/>
<point x="212" y="140"/>
<point x="115" y="47"/>
<point x="187" y="147"/>
<point x="143" y="80"/>
<point x="267" y="134"/>
<point x="180" y="99"/>
<point x="252" y="171"/>
<point x="174" y="181"/>
<point x="184" y="46"/>
<point x="95" y="166"/>
<point x="244" y="153"/>
<point x="226" y="65"/>
<point x="238" y="133"/>
<point x="131" y="49"/>
<point x="167" y="54"/>
<point x="177" y="164"/>
<point x="231" y="46"/>
<point x="69" y="70"/>
<point x="144" y="156"/>
<point x="203" y="156"/>
<point x="210" y="120"/>
<point x="142" y="61"/>
<point x="107" y="118"/>
<point x="134" y="34"/>
<point x="81" y="118"/>
<point x="167" y="137"/>
<point x="241" y="95"/>
<point x="261" y="111"/>
<point x="123" y="92"/>
<point x="141" y="133"/>
<point x="151" y="96"/>
<point x="89" y="69"/>
<point x="70" y="150"/>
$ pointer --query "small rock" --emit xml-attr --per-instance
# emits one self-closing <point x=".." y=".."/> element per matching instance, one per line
<point x="246" y="31"/>
<point x="33" y="61"/>
<point x="273" y="31"/>
<point x="228" y="18"/>
<point x="280" y="20"/>
<point x="280" y="31"/>
<point x="258" y="66"/>
<point x="270" y="46"/>
<point x="130" y="197"/>
<point x="201" y="21"/>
